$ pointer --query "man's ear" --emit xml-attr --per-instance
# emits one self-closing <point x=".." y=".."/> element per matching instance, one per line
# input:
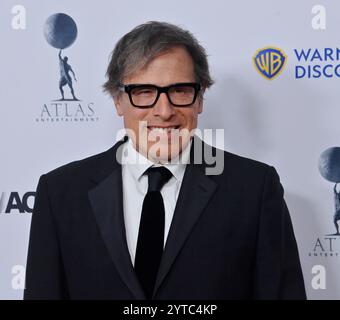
<point x="117" y="99"/>
<point x="200" y="102"/>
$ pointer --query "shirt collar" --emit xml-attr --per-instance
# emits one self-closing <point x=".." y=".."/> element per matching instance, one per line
<point x="138" y="163"/>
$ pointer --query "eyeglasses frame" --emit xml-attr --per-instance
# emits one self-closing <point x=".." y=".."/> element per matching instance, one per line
<point x="129" y="87"/>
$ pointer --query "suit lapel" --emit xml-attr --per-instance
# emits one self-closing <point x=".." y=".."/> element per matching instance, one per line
<point x="107" y="204"/>
<point x="196" y="190"/>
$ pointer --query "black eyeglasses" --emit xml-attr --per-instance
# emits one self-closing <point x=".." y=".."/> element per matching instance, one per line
<point x="146" y="95"/>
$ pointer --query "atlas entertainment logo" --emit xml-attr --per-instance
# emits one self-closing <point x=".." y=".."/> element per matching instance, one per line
<point x="329" y="168"/>
<point x="60" y="32"/>
<point x="269" y="62"/>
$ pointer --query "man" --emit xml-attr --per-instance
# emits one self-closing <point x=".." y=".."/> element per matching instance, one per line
<point x="111" y="227"/>
<point x="65" y="78"/>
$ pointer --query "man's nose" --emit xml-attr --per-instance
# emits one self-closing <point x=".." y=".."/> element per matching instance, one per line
<point x="163" y="108"/>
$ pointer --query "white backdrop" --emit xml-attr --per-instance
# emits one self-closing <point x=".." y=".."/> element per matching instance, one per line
<point x="286" y="122"/>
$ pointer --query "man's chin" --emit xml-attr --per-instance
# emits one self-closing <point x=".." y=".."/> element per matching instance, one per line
<point x="163" y="153"/>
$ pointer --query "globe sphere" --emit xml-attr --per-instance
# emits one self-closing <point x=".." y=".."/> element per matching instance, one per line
<point x="329" y="164"/>
<point x="60" y="30"/>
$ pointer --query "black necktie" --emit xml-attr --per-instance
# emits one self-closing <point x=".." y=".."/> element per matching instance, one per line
<point x="151" y="230"/>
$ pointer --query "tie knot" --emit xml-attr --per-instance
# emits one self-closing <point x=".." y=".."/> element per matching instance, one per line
<point x="158" y="176"/>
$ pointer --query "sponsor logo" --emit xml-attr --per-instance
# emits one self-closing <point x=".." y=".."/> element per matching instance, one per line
<point x="14" y="202"/>
<point x="60" y="32"/>
<point x="316" y="63"/>
<point x="269" y="62"/>
<point x="328" y="245"/>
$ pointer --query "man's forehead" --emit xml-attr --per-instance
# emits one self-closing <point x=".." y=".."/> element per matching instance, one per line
<point x="175" y="61"/>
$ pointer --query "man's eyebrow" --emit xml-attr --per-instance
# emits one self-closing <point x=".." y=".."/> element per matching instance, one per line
<point x="155" y="85"/>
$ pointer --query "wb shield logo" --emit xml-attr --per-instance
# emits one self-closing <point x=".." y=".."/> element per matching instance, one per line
<point x="269" y="62"/>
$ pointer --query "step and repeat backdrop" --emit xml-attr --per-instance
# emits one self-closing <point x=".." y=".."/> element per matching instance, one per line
<point x="276" y="67"/>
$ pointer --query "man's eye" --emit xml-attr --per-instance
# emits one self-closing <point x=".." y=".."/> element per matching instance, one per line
<point x="179" y="90"/>
<point x="143" y="92"/>
<point x="182" y="90"/>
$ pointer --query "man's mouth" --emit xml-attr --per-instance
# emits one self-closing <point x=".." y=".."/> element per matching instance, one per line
<point x="162" y="129"/>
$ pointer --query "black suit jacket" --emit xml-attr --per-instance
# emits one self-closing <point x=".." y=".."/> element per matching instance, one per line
<point x="231" y="235"/>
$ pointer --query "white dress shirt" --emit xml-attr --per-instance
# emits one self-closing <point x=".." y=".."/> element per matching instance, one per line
<point x="135" y="186"/>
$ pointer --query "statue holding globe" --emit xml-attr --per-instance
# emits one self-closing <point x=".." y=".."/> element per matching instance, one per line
<point x="65" y="77"/>
<point x="329" y="167"/>
<point x="337" y="208"/>
<point x="60" y="32"/>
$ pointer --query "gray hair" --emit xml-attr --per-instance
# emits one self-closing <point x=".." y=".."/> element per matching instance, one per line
<point x="142" y="44"/>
